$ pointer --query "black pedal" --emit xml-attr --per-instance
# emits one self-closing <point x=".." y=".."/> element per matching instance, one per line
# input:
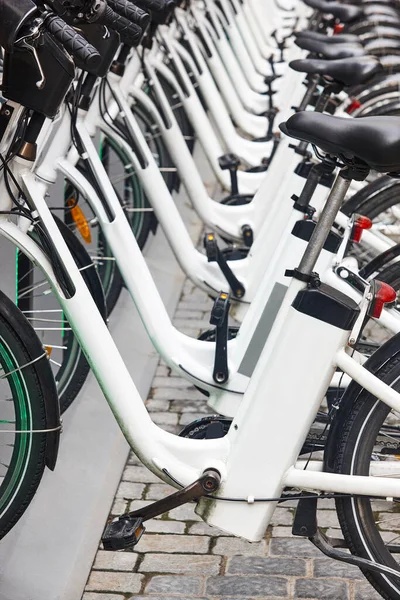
<point x="248" y="236"/>
<point x="229" y="161"/>
<point x="122" y="534"/>
<point x="211" y="247"/>
<point x="220" y="310"/>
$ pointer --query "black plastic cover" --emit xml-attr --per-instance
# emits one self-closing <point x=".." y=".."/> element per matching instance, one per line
<point x="304" y="229"/>
<point x="13" y="15"/>
<point x="21" y="75"/>
<point x="327" y="304"/>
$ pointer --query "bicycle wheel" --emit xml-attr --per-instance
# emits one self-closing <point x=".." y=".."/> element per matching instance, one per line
<point x="24" y="384"/>
<point x="40" y="306"/>
<point x="368" y="438"/>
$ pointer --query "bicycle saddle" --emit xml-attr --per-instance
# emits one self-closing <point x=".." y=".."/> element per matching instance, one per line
<point x="345" y="12"/>
<point x="379" y="9"/>
<point x="328" y="50"/>
<point x="341" y="38"/>
<point x="349" y="71"/>
<point x="374" y="140"/>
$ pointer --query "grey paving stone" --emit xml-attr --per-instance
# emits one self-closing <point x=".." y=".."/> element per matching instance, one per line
<point x="230" y="546"/>
<point x="163" y="597"/>
<point x="251" y="586"/>
<point x="281" y="531"/>
<point x="115" y="561"/>
<point x="133" y="459"/>
<point x="328" y="518"/>
<point x="175" y="584"/>
<point x="119" y="507"/>
<point x="326" y="589"/>
<point x="176" y="394"/>
<point x="190" y="406"/>
<point x="162" y="370"/>
<point x="174" y="543"/>
<point x="157" y="405"/>
<point x="130" y="491"/>
<point x="259" y="565"/>
<point x="326" y="567"/>
<point x="335" y="533"/>
<point x="293" y="547"/>
<point x="282" y="516"/>
<point x="139" y="475"/>
<point x="95" y="596"/>
<point x="171" y="382"/>
<point x="184" y="513"/>
<point x="164" y="418"/>
<point x="164" y="526"/>
<point x="183" y="313"/>
<point x="156" y="491"/>
<point x="204" y="529"/>
<point x="202" y="324"/>
<point x="365" y="591"/>
<point x="183" y="564"/>
<point x="107" y="581"/>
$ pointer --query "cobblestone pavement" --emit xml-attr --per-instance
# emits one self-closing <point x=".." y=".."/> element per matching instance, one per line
<point x="180" y="556"/>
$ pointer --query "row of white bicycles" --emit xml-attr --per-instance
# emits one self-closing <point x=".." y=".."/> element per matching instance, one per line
<point x="294" y="107"/>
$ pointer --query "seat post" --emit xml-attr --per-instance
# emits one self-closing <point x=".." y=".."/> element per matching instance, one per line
<point x="325" y="222"/>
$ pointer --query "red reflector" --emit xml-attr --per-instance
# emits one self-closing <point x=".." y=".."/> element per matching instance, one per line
<point x="384" y="295"/>
<point x="360" y="224"/>
<point x="338" y="28"/>
<point x="353" y="106"/>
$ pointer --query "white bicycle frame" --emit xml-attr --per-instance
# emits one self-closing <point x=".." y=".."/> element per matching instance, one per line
<point x="192" y="358"/>
<point x="298" y="344"/>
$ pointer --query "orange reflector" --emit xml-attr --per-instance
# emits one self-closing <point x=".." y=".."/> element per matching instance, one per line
<point x="80" y="221"/>
<point x="49" y="350"/>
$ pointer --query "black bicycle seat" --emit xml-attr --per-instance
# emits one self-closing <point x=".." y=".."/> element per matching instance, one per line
<point x="345" y="12"/>
<point x="374" y="140"/>
<point x="379" y="9"/>
<point x="348" y="71"/>
<point x="328" y="50"/>
<point x="341" y="38"/>
<point x="382" y="46"/>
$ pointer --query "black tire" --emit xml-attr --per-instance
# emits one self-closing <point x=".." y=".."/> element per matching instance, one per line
<point x="368" y="433"/>
<point x="23" y="456"/>
<point x="70" y="367"/>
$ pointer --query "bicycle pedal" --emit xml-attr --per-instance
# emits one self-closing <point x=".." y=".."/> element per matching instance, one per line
<point x="122" y="534"/>
<point x="229" y="161"/>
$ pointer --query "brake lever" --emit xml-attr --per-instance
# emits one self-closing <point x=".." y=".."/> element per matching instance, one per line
<point x="26" y="42"/>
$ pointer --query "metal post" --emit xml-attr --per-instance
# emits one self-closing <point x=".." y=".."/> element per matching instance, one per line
<point x="324" y="225"/>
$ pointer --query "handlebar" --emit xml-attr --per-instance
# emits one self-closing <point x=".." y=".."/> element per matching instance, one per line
<point x="73" y="42"/>
<point x="130" y="33"/>
<point x="130" y="11"/>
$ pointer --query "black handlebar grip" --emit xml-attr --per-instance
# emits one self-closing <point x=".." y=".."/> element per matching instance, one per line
<point x="130" y="11"/>
<point x="73" y="42"/>
<point x="130" y="33"/>
<point x="154" y="5"/>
